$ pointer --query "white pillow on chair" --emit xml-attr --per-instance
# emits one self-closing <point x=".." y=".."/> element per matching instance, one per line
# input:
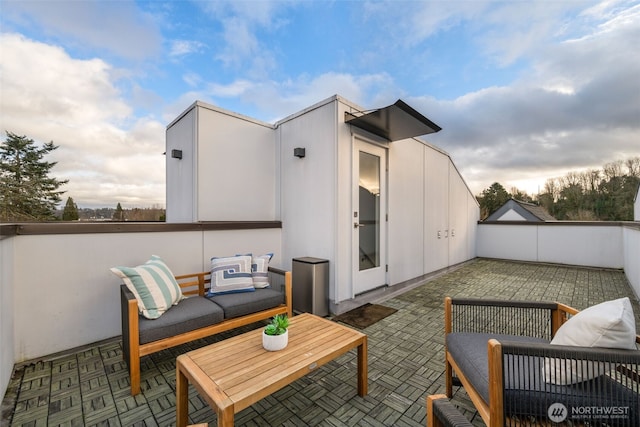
<point x="610" y="324"/>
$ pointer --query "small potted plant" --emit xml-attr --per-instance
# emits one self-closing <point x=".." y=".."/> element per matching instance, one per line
<point x="276" y="335"/>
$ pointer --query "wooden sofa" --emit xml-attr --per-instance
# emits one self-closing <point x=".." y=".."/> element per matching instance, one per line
<point x="500" y="352"/>
<point x="197" y="316"/>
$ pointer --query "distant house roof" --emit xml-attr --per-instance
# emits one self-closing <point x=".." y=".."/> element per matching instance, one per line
<point x="516" y="210"/>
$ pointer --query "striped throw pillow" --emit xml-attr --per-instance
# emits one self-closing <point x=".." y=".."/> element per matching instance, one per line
<point x="153" y="285"/>
<point x="260" y="270"/>
<point x="231" y="275"/>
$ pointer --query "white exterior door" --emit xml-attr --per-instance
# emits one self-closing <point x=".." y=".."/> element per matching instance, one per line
<point x="369" y="216"/>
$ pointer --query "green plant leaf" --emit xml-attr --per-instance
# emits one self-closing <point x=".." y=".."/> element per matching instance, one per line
<point x="278" y="325"/>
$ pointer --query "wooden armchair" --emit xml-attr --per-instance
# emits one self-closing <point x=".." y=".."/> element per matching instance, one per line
<point x="500" y="352"/>
<point x="442" y="413"/>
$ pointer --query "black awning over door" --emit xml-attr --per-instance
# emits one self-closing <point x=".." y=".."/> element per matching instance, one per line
<point x="395" y="122"/>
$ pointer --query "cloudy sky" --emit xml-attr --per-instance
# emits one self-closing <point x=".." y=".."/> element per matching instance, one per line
<point x="524" y="90"/>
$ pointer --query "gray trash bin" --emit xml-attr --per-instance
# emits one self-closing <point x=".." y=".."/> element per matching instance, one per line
<point x="310" y="277"/>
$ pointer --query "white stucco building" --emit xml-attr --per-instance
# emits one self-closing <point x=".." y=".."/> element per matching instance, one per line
<point x="358" y="189"/>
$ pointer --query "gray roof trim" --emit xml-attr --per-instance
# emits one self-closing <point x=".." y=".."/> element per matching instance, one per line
<point x="394" y="123"/>
<point x="77" y="227"/>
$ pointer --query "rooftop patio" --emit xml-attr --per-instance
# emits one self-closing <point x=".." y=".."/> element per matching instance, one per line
<point x="90" y="386"/>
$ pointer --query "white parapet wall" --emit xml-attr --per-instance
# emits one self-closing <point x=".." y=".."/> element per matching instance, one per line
<point x="572" y="244"/>
<point x="58" y="293"/>
<point x="631" y="244"/>
<point x="6" y="312"/>
<point x="592" y="244"/>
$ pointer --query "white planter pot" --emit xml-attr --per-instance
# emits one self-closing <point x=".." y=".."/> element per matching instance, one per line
<point x="275" y="342"/>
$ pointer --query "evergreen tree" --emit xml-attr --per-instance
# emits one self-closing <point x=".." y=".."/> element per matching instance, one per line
<point x="491" y="199"/>
<point x="27" y="192"/>
<point x="70" y="212"/>
<point x="118" y="215"/>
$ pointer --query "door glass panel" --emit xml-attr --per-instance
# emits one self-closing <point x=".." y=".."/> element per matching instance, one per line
<point x="369" y="200"/>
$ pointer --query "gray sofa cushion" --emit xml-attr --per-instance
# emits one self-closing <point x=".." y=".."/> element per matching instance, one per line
<point x="469" y="350"/>
<point x="236" y="305"/>
<point x="190" y="314"/>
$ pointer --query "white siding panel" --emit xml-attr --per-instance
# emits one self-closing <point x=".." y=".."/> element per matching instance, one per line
<point x="180" y="185"/>
<point x="236" y="168"/>
<point x="436" y="210"/>
<point x="406" y="210"/>
<point x="473" y="216"/>
<point x="342" y="285"/>
<point x="308" y="195"/>
<point x="458" y="233"/>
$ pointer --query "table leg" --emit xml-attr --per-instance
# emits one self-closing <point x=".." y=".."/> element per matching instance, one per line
<point x="226" y="417"/>
<point x="182" y="397"/>
<point x="363" y="368"/>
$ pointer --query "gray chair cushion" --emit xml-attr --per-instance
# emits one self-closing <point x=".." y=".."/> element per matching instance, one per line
<point x="190" y="314"/>
<point x="469" y="350"/>
<point x="527" y="394"/>
<point x="239" y="304"/>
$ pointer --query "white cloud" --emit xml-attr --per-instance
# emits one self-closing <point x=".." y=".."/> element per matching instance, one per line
<point x="243" y="23"/>
<point x="49" y="96"/>
<point x="578" y="108"/>
<point x="277" y="99"/>
<point x="573" y="102"/>
<point x="408" y="24"/>
<point x="180" y="48"/>
<point x="117" y="26"/>
<point x="232" y="90"/>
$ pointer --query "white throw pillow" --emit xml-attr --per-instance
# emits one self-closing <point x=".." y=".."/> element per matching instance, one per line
<point x="610" y="324"/>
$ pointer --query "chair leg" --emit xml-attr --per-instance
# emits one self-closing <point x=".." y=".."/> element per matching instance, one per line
<point x="448" y="379"/>
<point x="134" y="375"/>
<point x="432" y="420"/>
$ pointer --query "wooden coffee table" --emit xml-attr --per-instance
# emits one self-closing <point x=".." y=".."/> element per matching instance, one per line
<point x="235" y="373"/>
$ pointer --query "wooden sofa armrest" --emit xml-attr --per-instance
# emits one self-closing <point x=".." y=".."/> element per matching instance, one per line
<point x="442" y="413"/>
<point x="287" y="287"/>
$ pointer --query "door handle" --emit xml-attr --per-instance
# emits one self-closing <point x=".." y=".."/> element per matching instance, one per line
<point x="356" y="225"/>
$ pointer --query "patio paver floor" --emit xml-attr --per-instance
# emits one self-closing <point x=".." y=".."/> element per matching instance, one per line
<point x="90" y="386"/>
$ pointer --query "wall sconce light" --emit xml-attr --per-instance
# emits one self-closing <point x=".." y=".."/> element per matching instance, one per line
<point x="176" y="154"/>
<point x="299" y="152"/>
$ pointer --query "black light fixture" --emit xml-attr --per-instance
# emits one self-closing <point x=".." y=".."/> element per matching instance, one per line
<point x="299" y="152"/>
<point x="176" y="154"/>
